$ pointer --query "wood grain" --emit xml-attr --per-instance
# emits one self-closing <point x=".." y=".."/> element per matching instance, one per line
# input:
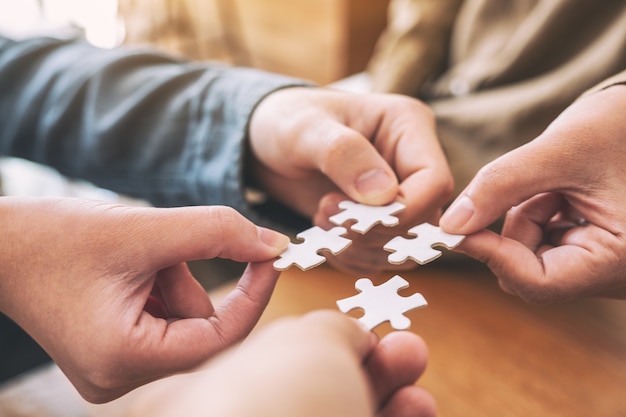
<point x="490" y="353"/>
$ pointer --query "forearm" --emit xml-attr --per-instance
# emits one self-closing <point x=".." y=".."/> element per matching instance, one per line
<point x="132" y="121"/>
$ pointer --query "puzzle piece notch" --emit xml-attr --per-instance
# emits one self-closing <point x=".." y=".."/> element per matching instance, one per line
<point x="305" y="254"/>
<point x="383" y="303"/>
<point x="420" y="249"/>
<point x="367" y="216"/>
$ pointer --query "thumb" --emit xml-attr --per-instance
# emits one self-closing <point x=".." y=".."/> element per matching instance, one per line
<point x="502" y="184"/>
<point x="352" y="162"/>
<point x="190" y="233"/>
<point x="347" y="332"/>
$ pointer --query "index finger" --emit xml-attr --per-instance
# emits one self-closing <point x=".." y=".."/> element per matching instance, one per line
<point x="426" y="182"/>
<point x="557" y="274"/>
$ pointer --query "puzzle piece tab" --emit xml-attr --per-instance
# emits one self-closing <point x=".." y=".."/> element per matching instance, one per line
<point x="367" y="216"/>
<point x="421" y="249"/>
<point x="304" y="255"/>
<point x="383" y="303"/>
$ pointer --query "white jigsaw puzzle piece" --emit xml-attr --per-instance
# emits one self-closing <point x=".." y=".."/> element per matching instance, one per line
<point x="367" y="216"/>
<point x="383" y="303"/>
<point x="304" y="255"/>
<point x="420" y="249"/>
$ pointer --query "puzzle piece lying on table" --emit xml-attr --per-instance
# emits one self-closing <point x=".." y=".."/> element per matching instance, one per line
<point x="304" y="255"/>
<point x="420" y="249"/>
<point x="367" y="216"/>
<point x="383" y="303"/>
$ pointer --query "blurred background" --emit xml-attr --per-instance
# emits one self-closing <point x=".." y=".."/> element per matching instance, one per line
<point x="319" y="40"/>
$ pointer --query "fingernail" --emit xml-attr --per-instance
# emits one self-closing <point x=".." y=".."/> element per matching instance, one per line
<point x="273" y="238"/>
<point x="374" y="182"/>
<point x="458" y="214"/>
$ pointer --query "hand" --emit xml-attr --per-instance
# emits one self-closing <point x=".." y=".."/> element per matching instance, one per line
<point x="565" y="236"/>
<point x="106" y="292"/>
<point x="313" y="147"/>
<point x="322" y="364"/>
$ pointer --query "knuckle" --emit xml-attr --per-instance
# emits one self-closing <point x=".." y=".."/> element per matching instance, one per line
<point x="532" y="290"/>
<point x="445" y="185"/>
<point x="490" y="173"/>
<point x="341" y="142"/>
<point x="409" y="102"/>
<point x="423" y="109"/>
<point x="414" y="106"/>
<point x="99" y="386"/>
<point x="227" y="219"/>
<point x="339" y="147"/>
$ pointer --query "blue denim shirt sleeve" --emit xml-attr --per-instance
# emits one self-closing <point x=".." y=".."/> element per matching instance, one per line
<point x="134" y="121"/>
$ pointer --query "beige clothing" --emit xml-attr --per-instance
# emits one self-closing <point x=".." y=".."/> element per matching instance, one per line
<point x="413" y="46"/>
<point x="507" y="70"/>
<point x="195" y="29"/>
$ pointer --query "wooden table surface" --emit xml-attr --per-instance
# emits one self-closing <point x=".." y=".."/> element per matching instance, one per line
<point x="490" y="353"/>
